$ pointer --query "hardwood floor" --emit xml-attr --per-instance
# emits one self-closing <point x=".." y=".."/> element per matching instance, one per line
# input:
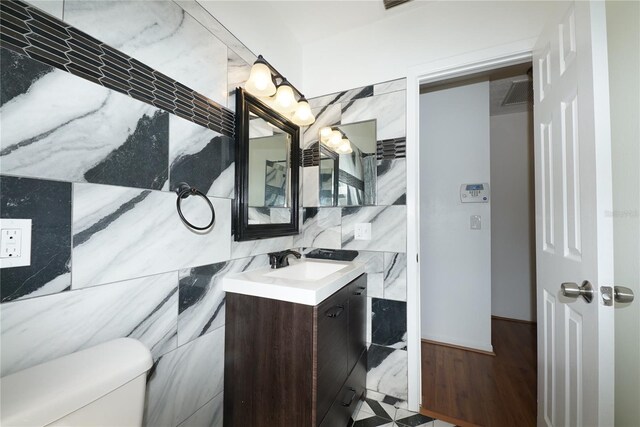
<point x="470" y="388"/>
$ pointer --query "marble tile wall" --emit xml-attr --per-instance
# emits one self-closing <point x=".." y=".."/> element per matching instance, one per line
<point x="94" y="169"/>
<point x="331" y="229"/>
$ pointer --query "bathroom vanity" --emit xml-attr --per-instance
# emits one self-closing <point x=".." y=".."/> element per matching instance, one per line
<point x="295" y="345"/>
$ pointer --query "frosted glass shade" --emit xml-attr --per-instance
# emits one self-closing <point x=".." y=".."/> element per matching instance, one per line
<point x="325" y="133"/>
<point x="260" y="82"/>
<point x="303" y="115"/>
<point x="285" y="99"/>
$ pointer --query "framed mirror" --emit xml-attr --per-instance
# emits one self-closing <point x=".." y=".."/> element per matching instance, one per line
<point x="267" y="171"/>
<point x="346" y="166"/>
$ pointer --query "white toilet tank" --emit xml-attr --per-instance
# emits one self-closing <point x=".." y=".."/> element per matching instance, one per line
<point x="100" y="386"/>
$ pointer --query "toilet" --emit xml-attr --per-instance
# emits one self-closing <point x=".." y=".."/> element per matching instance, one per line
<point x="100" y="386"/>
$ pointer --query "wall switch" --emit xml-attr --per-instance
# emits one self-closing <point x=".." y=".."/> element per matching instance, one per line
<point x="15" y="242"/>
<point x="476" y="222"/>
<point x="362" y="231"/>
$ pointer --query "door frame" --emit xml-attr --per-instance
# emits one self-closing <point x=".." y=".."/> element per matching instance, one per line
<point x="457" y="66"/>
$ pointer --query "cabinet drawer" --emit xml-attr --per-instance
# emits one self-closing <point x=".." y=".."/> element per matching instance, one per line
<point x="348" y="397"/>
<point x="332" y="337"/>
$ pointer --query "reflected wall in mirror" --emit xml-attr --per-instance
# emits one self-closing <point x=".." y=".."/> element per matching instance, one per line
<point x="267" y="172"/>
<point x="347" y="165"/>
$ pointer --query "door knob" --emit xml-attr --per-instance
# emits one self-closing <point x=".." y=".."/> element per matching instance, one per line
<point x="622" y="294"/>
<point x="572" y="290"/>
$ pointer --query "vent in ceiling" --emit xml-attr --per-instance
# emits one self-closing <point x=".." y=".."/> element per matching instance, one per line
<point x="520" y="92"/>
<point x="388" y="4"/>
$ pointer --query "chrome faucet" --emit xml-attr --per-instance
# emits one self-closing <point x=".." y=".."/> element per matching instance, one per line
<point x="281" y="259"/>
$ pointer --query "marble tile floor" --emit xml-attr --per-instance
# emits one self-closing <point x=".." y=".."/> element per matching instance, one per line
<point x="379" y="414"/>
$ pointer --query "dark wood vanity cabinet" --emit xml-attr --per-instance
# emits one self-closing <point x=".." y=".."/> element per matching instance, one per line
<point x="290" y="364"/>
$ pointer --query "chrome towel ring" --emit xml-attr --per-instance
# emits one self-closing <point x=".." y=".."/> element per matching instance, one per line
<point x="183" y="191"/>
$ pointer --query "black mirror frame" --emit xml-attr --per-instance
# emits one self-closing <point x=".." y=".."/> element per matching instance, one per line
<point x="242" y="231"/>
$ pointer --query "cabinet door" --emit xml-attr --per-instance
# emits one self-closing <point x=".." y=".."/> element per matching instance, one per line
<point x="332" y="317"/>
<point x="357" y="320"/>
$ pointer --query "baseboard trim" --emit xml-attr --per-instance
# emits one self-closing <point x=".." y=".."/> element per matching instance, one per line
<point x="459" y="347"/>
<point x="508" y="319"/>
<point x="446" y="418"/>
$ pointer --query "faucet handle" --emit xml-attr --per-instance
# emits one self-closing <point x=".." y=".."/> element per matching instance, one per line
<point x="273" y="259"/>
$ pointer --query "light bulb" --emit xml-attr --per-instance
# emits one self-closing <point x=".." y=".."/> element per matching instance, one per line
<point x="335" y="138"/>
<point x="260" y="82"/>
<point x="344" y="147"/>
<point x="325" y="133"/>
<point x="303" y="115"/>
<point x="285" y="99"/>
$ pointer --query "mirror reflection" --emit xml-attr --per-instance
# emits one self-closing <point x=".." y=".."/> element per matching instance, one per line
<point x="347" y="165"/>
<point x="269" y="182"/>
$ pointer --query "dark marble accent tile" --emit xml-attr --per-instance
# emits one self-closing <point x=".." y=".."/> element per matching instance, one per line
<point x="48" y="205"/>
<point x="415" y="420"/>
<point x="142" y="161"/>
<point x="379" y="410"/>
<point x="389" y="323"/>
<point x="372" y="422"/>
<point x="18" y="73"/>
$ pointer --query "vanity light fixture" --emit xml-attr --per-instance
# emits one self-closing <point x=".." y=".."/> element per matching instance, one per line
<point x="344" y="147"/>
<point x="335" y="139"/>
<point x="261" y="84"/>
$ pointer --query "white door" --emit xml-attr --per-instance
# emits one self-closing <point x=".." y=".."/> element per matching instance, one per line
<point x="574" y="230"/>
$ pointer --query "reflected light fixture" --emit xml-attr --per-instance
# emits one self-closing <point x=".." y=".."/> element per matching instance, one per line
<point x="260" y="82"/>
<point x="335" y="138"/>
<point x="325" y="133"/>
<point x="344" y="147"/>
<point x="281" y="98"/>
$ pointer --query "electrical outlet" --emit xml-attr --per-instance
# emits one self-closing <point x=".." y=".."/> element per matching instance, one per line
<point x="15" y="242"/>
<point x="362" y="231"/>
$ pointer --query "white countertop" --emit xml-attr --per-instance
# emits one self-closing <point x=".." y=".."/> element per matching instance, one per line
<point x="299" y="290"/>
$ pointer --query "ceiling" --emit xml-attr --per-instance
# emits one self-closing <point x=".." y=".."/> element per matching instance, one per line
<point x="309" y="21"/>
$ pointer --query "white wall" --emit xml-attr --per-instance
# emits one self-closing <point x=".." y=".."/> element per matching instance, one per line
<point x="513" y="286"/>
<point x="386" y="49"/>
<point x="255" y="23"/>
<point x="623" y="33"/>
<point x="455" y="261"/>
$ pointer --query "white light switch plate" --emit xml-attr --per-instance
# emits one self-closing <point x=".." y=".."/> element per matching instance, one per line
<point x="15" y="243"/>
<point x="476" y="222"/>
<point x="362" y="231"/>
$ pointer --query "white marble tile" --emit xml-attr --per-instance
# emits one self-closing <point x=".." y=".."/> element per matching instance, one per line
<point x="213" y="25"/>
<point x="44" y="328"/>
<point x="74" y="129"/>
<point x="161" y="35"/>
<point x="140" y="233"/>
<point x="257" y="247"/>
<point x="387" y="373"/>
<point x="52" y="7"/>
<point x="388" y="228"/>
<point x="311" y="186"/>
<point x="325" y="116"/>
<point x="341" y="97"/>
<point x="321" y="229"/>
<point x="395" y="276"/>
<point x="388" y="110"/>
<point x="375" y="285"/>
<point x="392" y="182"/>
<point x="184" y="380"/>
<point x="209" y="415"/>
<point x="202" y="300"/>
<point x="440" y="423"/>
<point x="201" y="157"/>
<point x="390" y="86"/>
<point x="238" y="71"/>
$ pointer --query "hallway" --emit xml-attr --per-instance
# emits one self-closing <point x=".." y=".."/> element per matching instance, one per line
<point x="470" y="388"/>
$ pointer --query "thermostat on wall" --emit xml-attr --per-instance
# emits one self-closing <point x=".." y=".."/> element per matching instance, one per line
<point x="474" y="193"/>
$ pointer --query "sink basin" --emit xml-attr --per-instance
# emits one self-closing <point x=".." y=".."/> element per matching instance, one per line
<point x="306" y="282"/>
<point x="307" y="270"/>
